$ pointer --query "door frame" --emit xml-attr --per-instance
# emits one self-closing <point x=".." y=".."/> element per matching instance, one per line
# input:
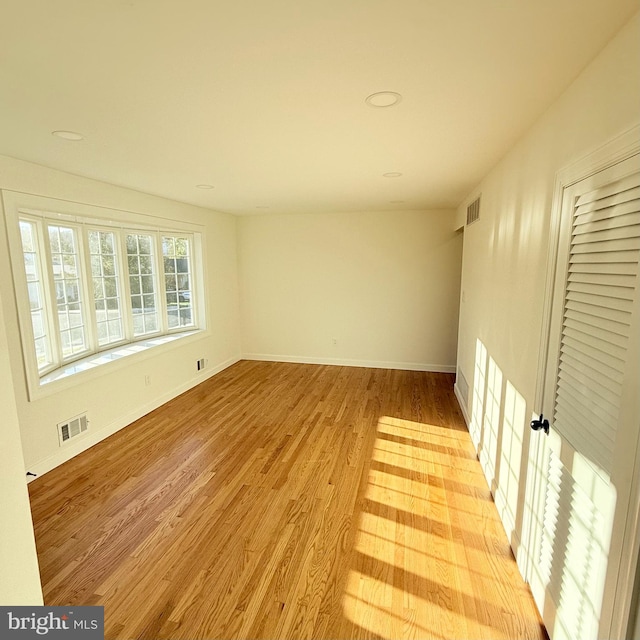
<point x="616" y="150"/>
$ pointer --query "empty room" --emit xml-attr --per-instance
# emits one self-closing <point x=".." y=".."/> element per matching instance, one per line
<point x="320" y="319"/>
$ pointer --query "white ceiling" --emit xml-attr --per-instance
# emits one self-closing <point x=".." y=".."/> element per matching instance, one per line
<point x="264" y="99"/>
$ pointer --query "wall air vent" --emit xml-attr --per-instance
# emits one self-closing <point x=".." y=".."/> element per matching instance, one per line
<point x="473" y="211"/>
<point x="72" y="428"/>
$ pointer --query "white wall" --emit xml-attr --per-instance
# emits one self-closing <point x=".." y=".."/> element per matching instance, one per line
<point x="505" y="253"/>
<point x="118" y="395"/>
<point x="385" y="286"/>
<point x="505" y="257"/>
<point x="19" y="578"/>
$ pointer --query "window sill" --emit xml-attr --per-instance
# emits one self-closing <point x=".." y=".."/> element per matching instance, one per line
<point x="94" y="365"/>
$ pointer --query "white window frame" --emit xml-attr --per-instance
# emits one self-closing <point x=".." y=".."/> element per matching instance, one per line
<point x="84" y="218"/>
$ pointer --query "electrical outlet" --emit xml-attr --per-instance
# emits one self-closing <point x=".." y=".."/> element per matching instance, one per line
<point x="335" y="341"/>
<point x="147" y="381"/>
<point x="201" y="364"/>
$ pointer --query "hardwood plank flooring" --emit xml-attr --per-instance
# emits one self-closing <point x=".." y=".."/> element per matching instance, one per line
<point x="286" y="501"/>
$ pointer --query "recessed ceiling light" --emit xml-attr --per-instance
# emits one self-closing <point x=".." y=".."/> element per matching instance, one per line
<point x="383" y="99"/>
<point x="68" y="135"/>
<point x="204" y="186"/>
<point x="392" y="174"/>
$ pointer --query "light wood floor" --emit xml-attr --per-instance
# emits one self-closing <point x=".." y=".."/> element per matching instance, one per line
<point x="286" y="501"/>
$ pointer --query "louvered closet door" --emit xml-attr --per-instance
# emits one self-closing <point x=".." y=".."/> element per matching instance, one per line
<point x="586" y="464"/>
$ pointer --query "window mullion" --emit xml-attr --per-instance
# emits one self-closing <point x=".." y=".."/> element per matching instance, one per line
<point x="160" y="279"/>
<point x="127" y="309"/>
<point x="87" y="288"/>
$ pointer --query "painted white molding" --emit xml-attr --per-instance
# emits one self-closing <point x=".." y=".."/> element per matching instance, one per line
<point x="93" y="437"/>
<point x="370" y="364"/>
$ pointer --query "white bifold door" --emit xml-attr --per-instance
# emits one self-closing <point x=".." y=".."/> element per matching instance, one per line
<point x="585" y="482"/>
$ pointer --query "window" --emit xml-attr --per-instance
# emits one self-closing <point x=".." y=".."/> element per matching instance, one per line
<point x="65" y="269"/>
<point x="35" y="286"/>
<point x="142" y="281"/>
<point x="93" y="287"/>
<point x="177" y="278"/>
<point x="106" y="287"/>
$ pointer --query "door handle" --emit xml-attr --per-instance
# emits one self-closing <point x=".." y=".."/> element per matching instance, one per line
<point x="540" y="423"/>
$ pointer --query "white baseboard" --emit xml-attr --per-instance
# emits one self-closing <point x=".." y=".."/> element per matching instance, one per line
<point x="91" y="438"/>
<point x="371" y="364"/>
<point x="463" y="404"/>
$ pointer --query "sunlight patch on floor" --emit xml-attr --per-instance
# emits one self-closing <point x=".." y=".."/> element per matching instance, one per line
<point x="413" y="565"/>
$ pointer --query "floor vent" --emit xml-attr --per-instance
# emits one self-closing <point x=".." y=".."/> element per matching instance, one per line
<point x="71" y="428"/>
<point x="473" y="211"/>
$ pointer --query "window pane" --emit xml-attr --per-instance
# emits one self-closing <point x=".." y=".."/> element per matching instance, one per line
<point x="35" y="299"/>
<point x="142" y="279"/>
<point x="182" y="247"/>
<point x="63" y="318"/>
<point x="168" y="246"/>
<point x="94" y="243"/>
<point x="54" y="240"/>
<point x="30" y="266"/>
<point x="107" y="244"/>
<point x="37" y="319"/>
<point x="98" y="290"/>
<point x="109" y="265"/>
<point x="170" y="283"/>
<point x="72" y="292"/>
<point x="96" y="264"/>
<point x="64" y="262"/>
<point x="176" y="260"/>
<point x="134" y="284"/>
<point x="132" y="245"/>
<point x="35" y="284"/>
<point x="145" y="245"/>
<point x="183" y="282"/>
<point x="147" y="284"/>
<point x="150" y="322"/>
<point x="138" y="325"/>
<point x="27" y="235"/>
<point x="111" y="287"/>
<point x="115" y="330"/>
<point x="41" y="350"/>
<point x="169" y="265"/>
<point x="103" y="333"/>
<point x="146" y="265"/>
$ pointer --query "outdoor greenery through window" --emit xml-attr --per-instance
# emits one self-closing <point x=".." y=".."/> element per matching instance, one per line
<point x="92" y="288"/>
